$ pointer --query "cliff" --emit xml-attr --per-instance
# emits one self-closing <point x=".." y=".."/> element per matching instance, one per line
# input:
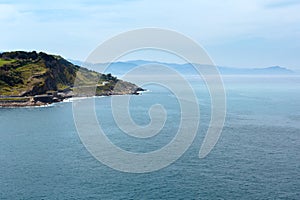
<point x="28" y="74"/>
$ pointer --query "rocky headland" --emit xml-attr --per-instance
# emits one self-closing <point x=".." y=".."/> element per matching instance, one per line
<point x="35" y="79"/>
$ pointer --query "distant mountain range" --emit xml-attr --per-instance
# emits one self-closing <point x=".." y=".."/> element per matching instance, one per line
<point x="118" y="68"/>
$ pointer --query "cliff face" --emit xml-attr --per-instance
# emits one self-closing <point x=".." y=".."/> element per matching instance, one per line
<point x="32" y="73"/>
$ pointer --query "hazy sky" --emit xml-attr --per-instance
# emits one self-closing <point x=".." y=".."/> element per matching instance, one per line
<point x="238" y="33"/>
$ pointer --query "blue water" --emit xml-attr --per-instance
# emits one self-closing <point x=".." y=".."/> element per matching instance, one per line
<point x="257" y="156"/>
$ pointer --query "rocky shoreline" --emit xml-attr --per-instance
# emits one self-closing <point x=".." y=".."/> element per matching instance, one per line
<point x="50" y="98"/>
<point x="23" y="104"/>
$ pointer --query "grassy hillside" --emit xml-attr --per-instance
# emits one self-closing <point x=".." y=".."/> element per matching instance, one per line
<point x="32" y="73"/>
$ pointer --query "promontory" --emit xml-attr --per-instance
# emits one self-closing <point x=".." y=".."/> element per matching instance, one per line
<point x="33" y="79"/>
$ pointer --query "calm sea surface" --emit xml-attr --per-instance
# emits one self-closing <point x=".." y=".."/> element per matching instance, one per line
<point x="257" y="156"/>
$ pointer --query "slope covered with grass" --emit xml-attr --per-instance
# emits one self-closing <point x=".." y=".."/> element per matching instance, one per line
<point x="31" y="73"/>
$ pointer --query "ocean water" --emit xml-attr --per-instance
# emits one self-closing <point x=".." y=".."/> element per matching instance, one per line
<point x="256" y="157"/>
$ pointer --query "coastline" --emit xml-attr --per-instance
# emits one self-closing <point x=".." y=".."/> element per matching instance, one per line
<point x="31" y="79"/>
<point x="33" y="103"/>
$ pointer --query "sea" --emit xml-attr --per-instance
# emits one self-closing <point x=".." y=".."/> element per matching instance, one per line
<point x="256" y="157"/>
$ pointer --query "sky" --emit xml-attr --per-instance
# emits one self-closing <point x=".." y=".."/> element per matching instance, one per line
<point x="235" y="33"/>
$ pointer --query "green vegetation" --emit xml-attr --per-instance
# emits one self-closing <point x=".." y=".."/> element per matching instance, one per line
<point x="31" y="73"/>
<point x="4" y="62"/>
